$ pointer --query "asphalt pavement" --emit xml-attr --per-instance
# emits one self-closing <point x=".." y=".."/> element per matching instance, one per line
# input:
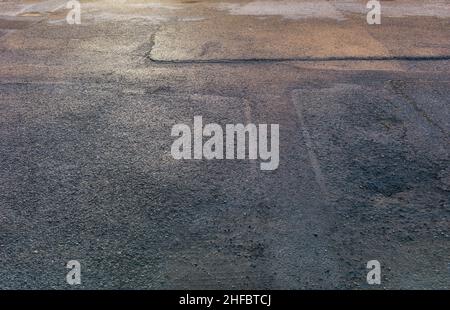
<point x="86" y="171"/>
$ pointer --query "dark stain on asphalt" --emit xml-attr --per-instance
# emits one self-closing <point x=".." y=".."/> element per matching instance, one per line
<point x="387" y="169"/>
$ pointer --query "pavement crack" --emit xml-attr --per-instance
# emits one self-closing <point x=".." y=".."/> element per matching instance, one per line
<point x="398" y="87"/>
<point x="293" y="59"/>
<point x="151" y="44"/>
<point x="314" y="161"/>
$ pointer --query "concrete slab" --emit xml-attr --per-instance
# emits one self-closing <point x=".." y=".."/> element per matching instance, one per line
<point x="289" y="30"/>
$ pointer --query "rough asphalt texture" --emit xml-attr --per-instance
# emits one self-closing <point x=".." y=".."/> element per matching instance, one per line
<point x="86" y="171"/>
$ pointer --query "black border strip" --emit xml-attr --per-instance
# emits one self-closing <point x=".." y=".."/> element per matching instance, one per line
<point x="373" y="299"/>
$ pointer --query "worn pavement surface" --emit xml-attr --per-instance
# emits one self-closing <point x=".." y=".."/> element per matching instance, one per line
<point x="86" y="171"/>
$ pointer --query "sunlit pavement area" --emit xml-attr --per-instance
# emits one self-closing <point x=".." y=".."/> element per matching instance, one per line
<point x="86" y="171"/>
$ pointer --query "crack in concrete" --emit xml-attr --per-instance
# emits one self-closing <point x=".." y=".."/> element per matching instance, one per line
<point x="151" y="45"/>
<point x="294" y="59"/>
